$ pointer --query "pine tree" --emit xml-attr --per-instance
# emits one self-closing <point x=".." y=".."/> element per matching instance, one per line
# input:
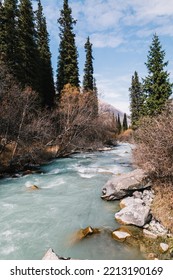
<point x="67" y="69"/>
<point x="28" y="58"/>
<point x="157" y="86"/>
<point x="136" y="100"/>
<point x="46" y="85"/>
<point x="119" y="126"/>
<point x="8" y="34"/>
<point x="125" y="125"/>
<point x="88" y="81"/>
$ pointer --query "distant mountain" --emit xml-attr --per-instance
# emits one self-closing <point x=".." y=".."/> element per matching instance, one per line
<point x="109" y="110"/>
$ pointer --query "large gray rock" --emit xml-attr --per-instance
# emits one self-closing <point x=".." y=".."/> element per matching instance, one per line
<point x="120" y="186"/>
<point x="134" y="214"/>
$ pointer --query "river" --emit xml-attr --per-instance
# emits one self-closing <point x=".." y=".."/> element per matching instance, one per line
<point x="68" y="199"/>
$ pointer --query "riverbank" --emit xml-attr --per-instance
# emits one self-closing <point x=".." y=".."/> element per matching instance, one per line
<point x="139" y="208"/>
<point x="20" y="167"/>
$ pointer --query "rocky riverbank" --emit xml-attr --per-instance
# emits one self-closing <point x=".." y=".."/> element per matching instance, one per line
<point x="139" y="226"/>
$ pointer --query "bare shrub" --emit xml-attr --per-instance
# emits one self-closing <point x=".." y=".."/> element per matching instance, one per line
<point x="154" y="150"/>
<point x="24" y="127"/>
<point x="78" y="126"/>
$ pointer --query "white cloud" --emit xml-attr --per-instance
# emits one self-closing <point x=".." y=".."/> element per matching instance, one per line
<point x="106" y="40"/>
<point x="115" y="91"/>
<point x="107" y="21"/>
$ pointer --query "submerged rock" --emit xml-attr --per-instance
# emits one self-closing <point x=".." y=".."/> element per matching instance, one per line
<point x="33" y="188"/>
<point x="125" y="184"/>
<point x="82" y="233"/>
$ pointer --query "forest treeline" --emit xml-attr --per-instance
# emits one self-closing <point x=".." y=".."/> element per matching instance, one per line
<point x="41" y="118"/>
<point x="152" y="116"/>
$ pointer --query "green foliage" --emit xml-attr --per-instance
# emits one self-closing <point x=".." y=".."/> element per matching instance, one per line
<point x="88" y="80"/>
<point x="67" y="69"/>
<point x="125" y="124"/>
<point x="28" y="54"/>
<point x="136" y="100"/>
<point x="8" y="34"/>
<point x="157" y="87"/>
<point x="46" y="83"/>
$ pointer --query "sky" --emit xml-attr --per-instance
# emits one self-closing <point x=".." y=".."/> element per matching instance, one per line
<point x="121" y="32"/>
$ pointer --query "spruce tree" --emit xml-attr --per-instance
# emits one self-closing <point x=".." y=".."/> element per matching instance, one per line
<point x="46" y="84"/>
<point x="125" y="125"/>
<point x="88" y="80"/>
<point x="157" y="86"/>
<point x="136" y="100"/>
<point x="119" y="126"/>
<point x="8" y="34"/>
<point x="67" y="69"/>
<point x="28" y="58"/>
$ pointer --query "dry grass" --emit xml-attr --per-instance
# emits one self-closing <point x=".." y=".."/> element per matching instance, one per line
<point x="154" y="150"/>
<point x="126" y="136"/>
<point x="162" y="207"/>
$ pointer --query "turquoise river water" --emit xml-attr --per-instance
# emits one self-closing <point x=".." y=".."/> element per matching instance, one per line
<point x="68" y="199"/>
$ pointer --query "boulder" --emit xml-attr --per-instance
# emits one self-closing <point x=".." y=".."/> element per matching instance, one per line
<point x="120" y="186"/>
<point x="155" y="227"/>
<point x="130" y="200"/>
<point x="134" y="214"/>
<point x="120" y="235"/>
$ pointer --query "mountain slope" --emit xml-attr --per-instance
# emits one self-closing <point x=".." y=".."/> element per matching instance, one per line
<point x="108" y="109"/>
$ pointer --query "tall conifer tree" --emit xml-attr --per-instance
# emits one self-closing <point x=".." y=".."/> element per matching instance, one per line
<point x="67" y="69"/>
<point x="157" y="86"/>
<point x="8" y="34"/>
<point x="125" y="125"/>
<point x="136" y="100"/>
<point x="46" y="84"/>
<point x="28" y="64"/>
<point x="119" y="126"/>
<point x="88" y="80"/>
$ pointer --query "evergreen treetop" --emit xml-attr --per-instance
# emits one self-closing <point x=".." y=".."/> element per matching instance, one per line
<point x="125" y="124"/>
<point x="46" y="84"/>
<point x="88" y="81"/>
<point x="67" y="69"/>
<point x="136" y="100"/>
<point x="119" y="126"/>
<point x="29" y="61"/>
<point x="8" y="33"/>
<point x="157" y="86"/>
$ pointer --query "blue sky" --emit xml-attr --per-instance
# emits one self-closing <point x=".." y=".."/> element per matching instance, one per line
<point x="121" y="32"/>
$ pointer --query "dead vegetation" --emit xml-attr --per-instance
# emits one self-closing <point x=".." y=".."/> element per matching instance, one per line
<point x="162" y="207"/>
<point x="30" y="134"/>
<point x="154" y="151"/>
<point x="154" y="154"/>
